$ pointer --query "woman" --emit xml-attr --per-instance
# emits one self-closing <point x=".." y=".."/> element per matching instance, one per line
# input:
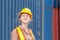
<point x="22" y="32"/>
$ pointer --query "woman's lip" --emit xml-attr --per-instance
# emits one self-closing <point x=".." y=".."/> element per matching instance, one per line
<point x="25" y="19"/>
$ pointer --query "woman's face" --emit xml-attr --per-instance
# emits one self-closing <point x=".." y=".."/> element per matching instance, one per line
<point x="25" y="18"/>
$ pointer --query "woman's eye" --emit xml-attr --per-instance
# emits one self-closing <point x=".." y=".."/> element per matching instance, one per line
<point x="27" y="15"/>
<point x="23" y="15"/>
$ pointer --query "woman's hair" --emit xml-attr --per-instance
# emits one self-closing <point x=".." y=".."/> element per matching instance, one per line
<point x="24" y="13"/>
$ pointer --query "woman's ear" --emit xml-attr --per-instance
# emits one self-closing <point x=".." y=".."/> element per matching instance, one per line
<point x="19" y="19"/>
<point x="30" y="19"/>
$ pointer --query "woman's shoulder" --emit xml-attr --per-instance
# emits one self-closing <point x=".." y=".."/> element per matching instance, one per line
<point x="14" y="31"/>
<point x="14" y="34"/>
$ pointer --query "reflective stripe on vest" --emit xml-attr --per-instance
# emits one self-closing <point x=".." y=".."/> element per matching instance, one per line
<point x="20" y="33"/>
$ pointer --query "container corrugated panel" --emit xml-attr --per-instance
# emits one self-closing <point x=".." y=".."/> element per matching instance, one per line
<point x="9" y="10"/>
<point x="48" y="14"/>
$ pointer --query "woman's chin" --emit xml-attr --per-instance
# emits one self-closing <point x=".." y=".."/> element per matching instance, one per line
<point x="25" y="22"/>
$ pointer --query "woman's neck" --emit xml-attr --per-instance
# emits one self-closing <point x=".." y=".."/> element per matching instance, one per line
<point x="24" y="25"/>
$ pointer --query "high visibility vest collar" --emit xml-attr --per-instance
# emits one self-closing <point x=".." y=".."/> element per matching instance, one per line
<point x="21" y="35"/>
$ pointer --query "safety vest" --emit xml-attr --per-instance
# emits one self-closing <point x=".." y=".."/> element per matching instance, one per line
<point x="21" y="35"/>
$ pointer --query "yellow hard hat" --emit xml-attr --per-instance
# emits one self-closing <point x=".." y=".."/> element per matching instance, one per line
<point x="27" y="11"/>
